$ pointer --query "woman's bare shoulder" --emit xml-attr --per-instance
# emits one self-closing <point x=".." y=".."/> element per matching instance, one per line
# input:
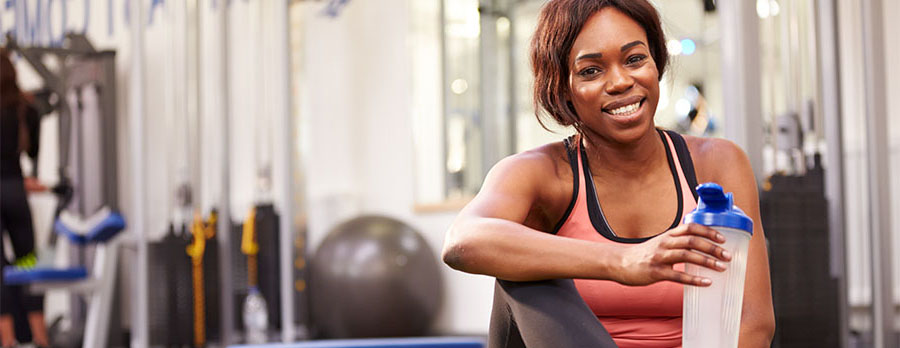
<point x="715" y="158"/>
<point x="541" y="170"/>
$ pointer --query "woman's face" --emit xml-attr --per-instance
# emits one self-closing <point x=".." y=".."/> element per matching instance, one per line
<point x="613" y="79"/>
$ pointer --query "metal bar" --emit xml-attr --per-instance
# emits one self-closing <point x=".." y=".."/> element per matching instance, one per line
<point x="194" y="105"/>
<point x="140" y="315"/>
<point x="878" y="164"/>
<point x="281" y="56"/>
<point x="445" y="99"/>
<point x="226" y="300"/>
<point x="512" y="113"/>
<point x="741" y="78"/>
<point x="108" y="95"/>
<point x="830" y="99"/>
<point x="490" y="120"/>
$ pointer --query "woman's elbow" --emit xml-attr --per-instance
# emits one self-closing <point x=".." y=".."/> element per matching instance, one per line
<point x="761" y="332"/>
<point x="452" y="256"/>
<point x="454" y="253"/>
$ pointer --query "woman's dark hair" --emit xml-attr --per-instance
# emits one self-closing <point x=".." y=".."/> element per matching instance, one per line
<point x="558" y="25"/>
<point x="10" y="94"/>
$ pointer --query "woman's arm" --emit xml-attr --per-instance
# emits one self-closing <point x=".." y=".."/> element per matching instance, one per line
<point x="489" y="237"/>
<point x="757" y="314"/>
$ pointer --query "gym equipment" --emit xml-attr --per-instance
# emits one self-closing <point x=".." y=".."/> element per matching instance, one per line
<point x="259" y="234"/>
<point x="81" y="90"/>
<point x="201" y="230"/>
<point x="99" y="230"/>
<point x="805" y="294"/>
<point x="374" y="276"/>
<point x="430" y="342"/>
<point x="255" y="314"/>
<point x="171" y="298"/>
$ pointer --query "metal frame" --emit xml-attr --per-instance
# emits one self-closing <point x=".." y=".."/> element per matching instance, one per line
<point x="830" y="99"/>
<point x="281" y="61"/>
<point x="878" y="165"/>
<point x="741" y="79"/>
<point x="223" y="233"/>
<point x="140" y="328"/>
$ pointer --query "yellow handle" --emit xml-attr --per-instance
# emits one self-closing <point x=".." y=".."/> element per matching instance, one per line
<point x="249" y="246"/>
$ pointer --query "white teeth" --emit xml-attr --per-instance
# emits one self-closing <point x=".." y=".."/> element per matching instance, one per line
<point x="627" y="109"/>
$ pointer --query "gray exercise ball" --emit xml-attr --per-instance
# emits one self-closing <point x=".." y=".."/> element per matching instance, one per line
<point x="374" y="276"/>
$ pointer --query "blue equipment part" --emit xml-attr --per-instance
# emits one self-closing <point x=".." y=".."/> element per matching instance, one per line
<point x="98" y="228"/>
<point x="18" y="276"/>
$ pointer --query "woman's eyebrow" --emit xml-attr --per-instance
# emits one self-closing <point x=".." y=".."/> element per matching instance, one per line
<point x="589" y="56"/>
<point x="632" y="44"/>
<point x="598" y="55"/>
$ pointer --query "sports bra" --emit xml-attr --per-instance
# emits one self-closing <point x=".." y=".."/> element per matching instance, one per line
<point x="635" y="316"/>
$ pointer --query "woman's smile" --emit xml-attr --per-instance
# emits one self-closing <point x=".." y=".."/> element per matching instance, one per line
<point x="626" y="111"/>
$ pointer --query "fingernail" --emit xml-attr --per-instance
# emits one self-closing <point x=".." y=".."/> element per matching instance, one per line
<point x="720" y="264"/>
<point x="726" y="254"/>
<point x="706" y="281"/>
<point x="720" y="237"/>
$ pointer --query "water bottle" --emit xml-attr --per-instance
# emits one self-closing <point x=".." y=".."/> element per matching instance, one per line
<point x="712" y="315"/>
<point x="256" y="317"/>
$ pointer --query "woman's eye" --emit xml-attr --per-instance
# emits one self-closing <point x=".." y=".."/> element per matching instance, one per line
<point x="636" y="58"/>
<point x="589" y="71"/>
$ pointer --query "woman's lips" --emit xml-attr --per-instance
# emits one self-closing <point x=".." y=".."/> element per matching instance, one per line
<point x="626" y="116"/>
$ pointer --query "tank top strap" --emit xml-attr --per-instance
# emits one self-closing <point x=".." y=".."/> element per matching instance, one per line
<point x="577" y="202"/>
<point x="684" y="168"/>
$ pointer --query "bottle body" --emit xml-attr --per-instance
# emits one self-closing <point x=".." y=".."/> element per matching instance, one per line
<point x="712" y="315"/>
<point x="256" y="318"/>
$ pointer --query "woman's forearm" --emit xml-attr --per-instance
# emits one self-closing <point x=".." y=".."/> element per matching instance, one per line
<point x="511" y="251"/>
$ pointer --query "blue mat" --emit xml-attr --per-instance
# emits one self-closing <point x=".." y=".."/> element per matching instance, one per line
<point x="16" y="276"/>
<point x="431" y="342"/>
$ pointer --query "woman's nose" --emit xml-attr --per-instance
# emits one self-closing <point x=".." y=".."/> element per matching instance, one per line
<point x="619" y="81"/>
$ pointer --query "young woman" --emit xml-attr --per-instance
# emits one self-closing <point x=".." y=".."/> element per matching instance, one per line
<point x="19" y="132"/>
<point x="605" y="206"/>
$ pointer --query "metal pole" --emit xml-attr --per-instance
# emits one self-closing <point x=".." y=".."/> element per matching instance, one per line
<point x="226" y="300"/>
<point x="140" y="314"/>
<point x="741" y="78"/>
<point x="445" y="99"/>
<point x="491" y="133"/>
<point x="878" y="165"/>
<point x="281" y="62"/>
<point x="830" y="98"/>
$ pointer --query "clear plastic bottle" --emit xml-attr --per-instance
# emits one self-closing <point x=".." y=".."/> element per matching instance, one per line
<point x="256" y="317"/>
<point x="712" y="315"/>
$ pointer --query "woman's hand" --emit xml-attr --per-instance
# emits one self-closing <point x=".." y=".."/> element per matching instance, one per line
<point x="653" y="260"/>
<point x="33" y="185"/>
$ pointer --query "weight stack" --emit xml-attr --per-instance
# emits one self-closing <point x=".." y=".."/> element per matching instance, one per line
<point x="795" y="219"/>
<point x="171" y="291"/>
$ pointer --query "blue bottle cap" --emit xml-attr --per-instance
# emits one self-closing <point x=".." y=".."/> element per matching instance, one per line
<point x="716" y="208"/>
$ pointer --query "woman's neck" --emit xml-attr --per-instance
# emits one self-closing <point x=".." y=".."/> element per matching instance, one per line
<point x="628" y="160"/>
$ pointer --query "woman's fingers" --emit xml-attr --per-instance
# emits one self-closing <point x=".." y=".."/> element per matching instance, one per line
<point x="699" y="244"/>
<point x="699" y="230"/>
<point x="683" y="278"/>
<point x="674" y="256"/>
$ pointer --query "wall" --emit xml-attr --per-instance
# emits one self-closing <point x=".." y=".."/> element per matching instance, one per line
<point x="359" y="152"/>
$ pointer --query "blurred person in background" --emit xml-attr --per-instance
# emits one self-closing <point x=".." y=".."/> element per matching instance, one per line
<point x="585" y="236"/>
<point x="20" y="130"/>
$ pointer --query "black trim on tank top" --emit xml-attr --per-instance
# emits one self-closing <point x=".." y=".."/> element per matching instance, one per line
<point x="595" y="211"/>
<point x="687" y="162"/>
<point x="573" y="162"/>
